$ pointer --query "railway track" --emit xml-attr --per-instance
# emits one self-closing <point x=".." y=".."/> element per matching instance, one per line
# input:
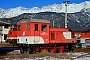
<point x="82" y="50"/>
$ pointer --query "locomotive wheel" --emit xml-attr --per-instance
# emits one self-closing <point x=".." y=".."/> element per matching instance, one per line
<point x="44" y="49"/>
<point x="61" y="49"/>
<point x="57" y="50"/>
<point x="49" y="50"/>
<point x="28" y="50"/>
<point x="40" y="50"/>
<point x="33" y="49"/>
<point x="53" y="50"/>
<point x="37" y="49"/>
<point x="21" y="50"/>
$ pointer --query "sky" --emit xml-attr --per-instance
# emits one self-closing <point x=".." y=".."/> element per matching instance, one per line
<point x="6" y="4"/>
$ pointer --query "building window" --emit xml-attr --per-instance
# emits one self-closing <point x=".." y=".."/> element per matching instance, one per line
<point x="6" y="26"/>
<point x="5" y="36"/>
<point x="44" y="27"/>
<point x="19" y="27"/>
<point x="28" y="26"/>
<point x="36" y="27"/>
<point x="0" y="28"/>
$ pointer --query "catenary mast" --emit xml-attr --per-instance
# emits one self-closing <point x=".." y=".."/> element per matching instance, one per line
<point x="66" y="4"/>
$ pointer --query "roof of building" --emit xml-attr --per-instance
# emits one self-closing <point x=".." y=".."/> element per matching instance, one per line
<point x="4" y="23"/>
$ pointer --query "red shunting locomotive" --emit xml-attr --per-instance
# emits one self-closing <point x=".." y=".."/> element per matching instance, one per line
<point x="36" y="35"/>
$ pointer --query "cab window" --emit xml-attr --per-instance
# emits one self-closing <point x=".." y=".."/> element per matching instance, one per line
<point x="19" y="27"/>
<point x="36" y="27"/>
<point x="44" y="27"/>
<point x="28" y="26"/>
<point x="14" y="27"/>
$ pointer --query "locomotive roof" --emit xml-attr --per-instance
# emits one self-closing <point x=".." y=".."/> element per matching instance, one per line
<point x="32" y="20"/>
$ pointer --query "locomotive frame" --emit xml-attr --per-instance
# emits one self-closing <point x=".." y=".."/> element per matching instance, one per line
<point x="36" y="35"/>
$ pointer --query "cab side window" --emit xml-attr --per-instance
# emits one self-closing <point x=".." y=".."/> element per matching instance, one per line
<point x="28" y="26"/>
<point x="14" y="27"/>
<point x="19" y="27"/>
<point x="36" y="27"/>
<point x="44" y="27"/>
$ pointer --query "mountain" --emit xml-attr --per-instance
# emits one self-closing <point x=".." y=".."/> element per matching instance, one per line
<point x="78" y="15"/>
<point x="59" y="8"/>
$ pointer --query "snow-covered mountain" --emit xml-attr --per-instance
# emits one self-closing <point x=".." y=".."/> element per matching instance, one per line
<point x="59" y="8"/>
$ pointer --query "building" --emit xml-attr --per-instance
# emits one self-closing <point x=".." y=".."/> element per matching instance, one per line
<point x="4" y="28"/>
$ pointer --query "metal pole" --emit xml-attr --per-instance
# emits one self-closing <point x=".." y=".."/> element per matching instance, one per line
<point x="66" y="13"/>
<point x="53" y="23"/>
<point x="1" y="34"/>
<point x="10" y="22"/>
<point x="59" y="22"/>
<point x="53" y="20"/>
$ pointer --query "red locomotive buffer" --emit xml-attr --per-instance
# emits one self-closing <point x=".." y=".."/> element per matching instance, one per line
<point x="36" y="35"/>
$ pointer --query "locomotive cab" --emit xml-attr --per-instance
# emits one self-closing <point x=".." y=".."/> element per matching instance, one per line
<point x="12" y="35"/>
<point x="31" y="31"/>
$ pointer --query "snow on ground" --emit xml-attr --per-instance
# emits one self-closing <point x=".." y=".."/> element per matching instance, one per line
<point x="49" y="58"/>
<point x="73" y="56"/>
